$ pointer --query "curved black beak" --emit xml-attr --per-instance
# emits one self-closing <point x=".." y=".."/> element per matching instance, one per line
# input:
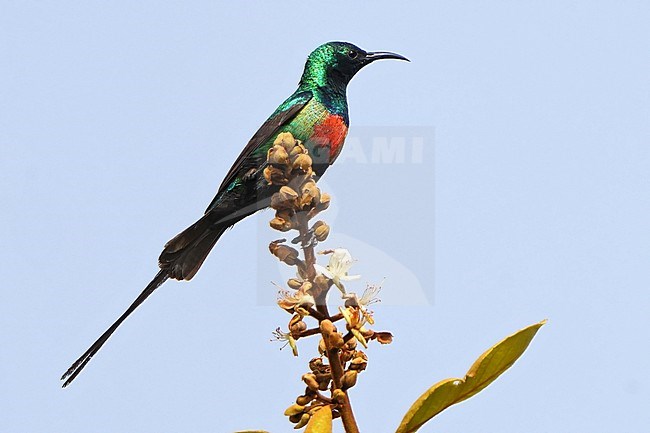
<point x="378" y="55"/>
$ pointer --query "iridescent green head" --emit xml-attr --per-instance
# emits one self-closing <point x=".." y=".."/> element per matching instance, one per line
<point x="334" y="64"/>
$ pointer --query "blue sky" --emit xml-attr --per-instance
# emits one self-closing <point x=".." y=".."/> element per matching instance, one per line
<point x="523" y="194"/>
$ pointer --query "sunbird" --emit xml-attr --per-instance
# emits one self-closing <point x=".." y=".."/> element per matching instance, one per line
<point x="316" y="114"/>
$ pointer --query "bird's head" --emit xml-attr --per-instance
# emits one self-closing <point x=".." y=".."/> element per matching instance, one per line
<point x="335" y="63"/>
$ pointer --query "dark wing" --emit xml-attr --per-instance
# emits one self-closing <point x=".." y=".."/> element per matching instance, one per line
<point x="272" y="125"/>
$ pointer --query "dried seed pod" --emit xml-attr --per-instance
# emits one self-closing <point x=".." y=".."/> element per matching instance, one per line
<point x="277" y="155"/>
<point x="349" y="379"/>
<point x="310" y="381"/>
<point x="294" y="409"/>
<point x="321" y="231"/>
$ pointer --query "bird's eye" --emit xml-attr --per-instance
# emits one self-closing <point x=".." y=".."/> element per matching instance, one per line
<point x="352" y="54"/>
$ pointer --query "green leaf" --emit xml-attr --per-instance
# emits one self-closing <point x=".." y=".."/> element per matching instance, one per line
<point x="484" y="371"/>
<point x="320" y="421"/>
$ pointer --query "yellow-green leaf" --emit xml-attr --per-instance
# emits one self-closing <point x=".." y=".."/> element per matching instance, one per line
<point x="320" y="421"/>
<point x="484" y="371"/>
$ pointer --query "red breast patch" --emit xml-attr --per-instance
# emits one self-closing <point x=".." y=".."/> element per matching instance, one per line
<point x="330" y="133"/>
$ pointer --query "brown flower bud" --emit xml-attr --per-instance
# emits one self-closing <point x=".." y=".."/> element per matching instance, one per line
<point x="294" y="283"/>
<point x="351" y="344"/>
<point x="297" y="327"/>
<point x="302" y="162"/>
<point x="349" y="379"/>
<point x="338" y="396"/>
<point x="284" y="199"/>
<point x="285" y="253"/>
<point x="316" y="364"/>
<point x="286" y="140"/>
<point x="322" y="204"/>
<point x="295" y="418"/>
<point x="297" y="150"/>
<point x="275" y="176"/>
<point x="304" y="400"/>
<point x="322" y="348"/>
<point x="309" y="194"/>
<point x="285" y="219"/>
<point x="302" y="310"/>
<point x="383" y="337"/>
<point x="306" y="286"/>
<point x="359" y="361"/>
<point x="321" y="231"/>
<point x="323" y="385"/>
<point x="310" y="381"/>
<point x="294" y="409"/>
<point x="280" y="224"/>
<point x="336" y="340"/>
<point x="321" y="282"/>
<point x="346" y="356"/>
<point x="311" y="393"/>
<point x="327" y="327"/>
<point x="324" y="201"/>
<point x="277" y="155"/>
<point x="303" y="421"/>
<point x="324" y="375"/>
<point x="300" y="177"/>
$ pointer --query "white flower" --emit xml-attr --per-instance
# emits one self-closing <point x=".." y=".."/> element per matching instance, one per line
<point x="286" y="336"/>
<point x="369" y="296"/>
<point x="337" y="269"/>
<point x="290" y="301"/>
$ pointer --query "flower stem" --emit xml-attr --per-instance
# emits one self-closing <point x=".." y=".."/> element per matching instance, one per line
<point x="307" y="246"/>
<point x="347" y="416"/>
